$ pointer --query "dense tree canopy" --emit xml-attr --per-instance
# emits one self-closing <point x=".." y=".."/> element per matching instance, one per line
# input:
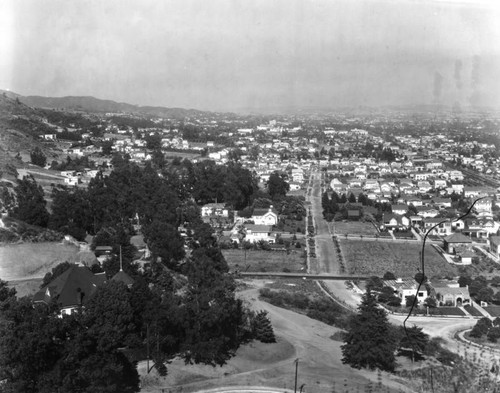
<point x="37" y="157"/>
<point x="277" y="186"/>
<point x="30" y="202"/>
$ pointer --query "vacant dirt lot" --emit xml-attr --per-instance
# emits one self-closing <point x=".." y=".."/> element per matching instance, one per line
<point x="264" y="261"/>
<point x="354" y="228"/>
<point x="23" y="265"/>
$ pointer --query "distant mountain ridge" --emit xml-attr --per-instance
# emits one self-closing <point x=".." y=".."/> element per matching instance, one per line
<point x="92" y="104"/>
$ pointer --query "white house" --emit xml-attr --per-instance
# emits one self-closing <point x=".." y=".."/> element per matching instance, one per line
<point x="214" y="209"/>
<point x="265" y="216"/>
<point x="256" y="233"/>
<point x="404" y="288"/>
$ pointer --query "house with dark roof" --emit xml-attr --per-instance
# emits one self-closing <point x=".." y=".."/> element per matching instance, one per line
<point x="123" y="277"/>
<point x="457" y="243"/>
<point x="399" y="209"/>
<point x="70" y="290"/>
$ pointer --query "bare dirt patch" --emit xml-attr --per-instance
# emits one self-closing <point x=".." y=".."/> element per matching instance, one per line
<point x="26" y="287"/>
<point x="354" y="228"/>
<point x="32" y="260"/>
<point x="264" y="261"/>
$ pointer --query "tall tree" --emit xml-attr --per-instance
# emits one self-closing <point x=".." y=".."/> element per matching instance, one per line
<point x="71" y="212"/>
<point x="37" y="157"/>
<point x="212" y="315"/>
<point x="30" y="202"/>
<point x="277" y="186"/>
<point x="262" y="328"/>
<point x="369" y="342"/>
<point x="164" y="241"/>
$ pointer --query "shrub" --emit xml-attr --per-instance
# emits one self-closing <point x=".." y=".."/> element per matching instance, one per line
<point x="494" y="334"/>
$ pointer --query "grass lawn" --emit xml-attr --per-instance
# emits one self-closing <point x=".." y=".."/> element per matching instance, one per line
<point x="294" y="226"/>
<point x="494" y="311"/>
<point x="442" y="311"/>
<point x="264" y="261"/>
<point x="402" y="259"/>
<point x="32" y="260"/>
<point x="404" y="235"/>
<point x="473" y="311"/>
<point x="354" y="228"/>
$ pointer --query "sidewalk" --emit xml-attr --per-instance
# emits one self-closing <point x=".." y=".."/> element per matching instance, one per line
<point x="487" y="253"/>
<point x="480" y="309"/>
<point x="416" y="234"/>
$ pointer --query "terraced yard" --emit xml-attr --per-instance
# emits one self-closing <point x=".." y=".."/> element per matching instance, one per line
<point x="403" y="259"/>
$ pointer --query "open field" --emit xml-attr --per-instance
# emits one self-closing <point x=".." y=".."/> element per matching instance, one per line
<point x="264" y="261"/>
<point x="402" y="259"/>
<point x="32" y="260"/>
<point x="354" y="228"/>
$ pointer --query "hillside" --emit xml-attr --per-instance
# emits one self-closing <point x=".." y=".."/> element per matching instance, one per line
<point x="92" y="104"/>
<point x="19" y="127"/>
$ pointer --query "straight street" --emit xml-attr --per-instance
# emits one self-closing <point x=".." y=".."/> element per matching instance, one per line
<point x="328" y="263"/>
<point x="326" y="254"/>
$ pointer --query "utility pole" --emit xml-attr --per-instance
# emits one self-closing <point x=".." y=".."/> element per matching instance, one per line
<point x="296" y="371"/>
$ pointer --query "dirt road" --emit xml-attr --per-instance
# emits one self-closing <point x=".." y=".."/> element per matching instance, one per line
<point x="320" y="367"/>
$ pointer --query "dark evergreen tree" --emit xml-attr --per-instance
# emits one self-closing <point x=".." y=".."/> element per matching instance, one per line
<point x="262" y="328"/>
<point x="369" y="341"/>
<point x="414" y="339"/>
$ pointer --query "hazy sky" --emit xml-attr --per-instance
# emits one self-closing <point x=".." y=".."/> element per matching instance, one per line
<point x="230" y="54"/>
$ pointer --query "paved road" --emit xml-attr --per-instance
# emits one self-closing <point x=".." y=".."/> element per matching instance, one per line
<point x="328" y="263"/>
<point x="326" y="254"/>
